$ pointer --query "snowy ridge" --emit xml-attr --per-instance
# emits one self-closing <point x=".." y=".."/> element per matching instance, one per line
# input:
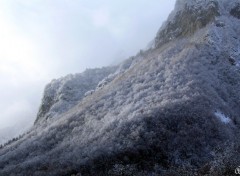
<point x="158" y="110"/>
<point x="224" y="5"/>
<point x="62" y="94"/>
<point x="191" y="15"/>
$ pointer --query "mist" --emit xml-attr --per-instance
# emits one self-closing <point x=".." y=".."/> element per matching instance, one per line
<point x="41" y="40"/>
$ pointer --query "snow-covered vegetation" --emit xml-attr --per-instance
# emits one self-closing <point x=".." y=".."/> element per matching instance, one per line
<point x="164" y="111"/>
<point x="222" y="117"/>
<point x="62" y="94"/>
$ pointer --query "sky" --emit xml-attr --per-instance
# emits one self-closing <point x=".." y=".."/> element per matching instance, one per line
<point x="45" y="39"/>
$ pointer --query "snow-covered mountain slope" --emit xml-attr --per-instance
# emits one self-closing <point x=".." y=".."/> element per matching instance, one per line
<point x="170" y="110"/>
<point x="64" y="93"/>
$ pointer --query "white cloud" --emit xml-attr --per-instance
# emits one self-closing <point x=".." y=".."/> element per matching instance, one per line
<point x="101" y="17"/>
<point x="41" y="40"/>
<point x="19" y="109"/>
<point x="20" y="71"/>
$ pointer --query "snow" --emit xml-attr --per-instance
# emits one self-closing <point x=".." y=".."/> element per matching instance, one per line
<point x="90" y="92"/>
<point x="238" y="64"/>
<point x="108" y="111"/>
<point x="196" y="4"/>
<point x="64" y="93"/>
<point x="222" y="117"/>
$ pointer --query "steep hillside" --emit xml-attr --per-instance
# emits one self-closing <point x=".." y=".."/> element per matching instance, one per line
<point x="170" y="110"/>
<point x="62" y="94"/>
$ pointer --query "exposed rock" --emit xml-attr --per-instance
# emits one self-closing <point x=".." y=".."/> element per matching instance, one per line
<point x="236" y="11"/>
<point x="187" y="21"/>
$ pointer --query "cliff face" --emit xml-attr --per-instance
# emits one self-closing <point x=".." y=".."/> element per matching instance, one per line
<point x="170" y="110"/>
<point x="188" y="18"/>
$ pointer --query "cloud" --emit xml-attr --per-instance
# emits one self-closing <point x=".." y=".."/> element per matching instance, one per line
<point x="20" y="71"/>
<point x="18" y="109"/>
<point x="100" y="17"/>
<point x="41" y="40"/>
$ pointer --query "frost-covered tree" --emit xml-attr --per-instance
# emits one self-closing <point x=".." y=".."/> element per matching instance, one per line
<point x="170" y="110"/>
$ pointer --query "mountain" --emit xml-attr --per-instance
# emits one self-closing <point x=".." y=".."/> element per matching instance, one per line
<point x="13" y="131"/>
<point x="170" y="110"/>
<point x="62" y="94"/>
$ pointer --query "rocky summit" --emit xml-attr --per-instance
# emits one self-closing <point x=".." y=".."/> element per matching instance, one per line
<point x="172" y="109"/>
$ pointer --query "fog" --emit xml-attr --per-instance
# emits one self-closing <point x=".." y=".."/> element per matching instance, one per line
<point x="41" y="40"/>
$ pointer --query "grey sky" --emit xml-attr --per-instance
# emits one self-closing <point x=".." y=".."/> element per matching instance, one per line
<point x="45" y="39"/>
